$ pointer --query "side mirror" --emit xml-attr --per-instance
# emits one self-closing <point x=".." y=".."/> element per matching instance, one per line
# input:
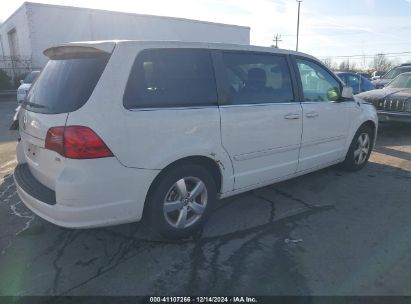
<point x="347" y="93"/>
<point x="21" y="81"/>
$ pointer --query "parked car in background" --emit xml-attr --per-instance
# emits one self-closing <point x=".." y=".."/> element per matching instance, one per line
<point x="356" y="81"/>
<point x="15" y="122"/>
<point x="377" y="75"/>
<point x="112" y="128"/>
<point x="25" y="85"/>
<point x="386" y="78"/>
<point x="393" y="102"/>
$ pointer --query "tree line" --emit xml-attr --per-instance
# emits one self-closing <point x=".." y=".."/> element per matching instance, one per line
<point x="379" y="63"/>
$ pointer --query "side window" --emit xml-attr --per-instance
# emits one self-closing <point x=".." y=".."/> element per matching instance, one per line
<point x="257" y="78"/>
<point x="353" y="80"/>
<point x="318" y="84"/>
<point x="343" y="78"/>
<point x="171" y="78"/>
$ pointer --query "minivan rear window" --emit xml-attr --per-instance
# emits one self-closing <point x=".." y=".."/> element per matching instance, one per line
<point x="66" y="84"/>
<point x="163" y="78"/>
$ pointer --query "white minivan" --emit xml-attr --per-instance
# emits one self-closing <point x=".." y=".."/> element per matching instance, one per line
<point x="113" y="130"/>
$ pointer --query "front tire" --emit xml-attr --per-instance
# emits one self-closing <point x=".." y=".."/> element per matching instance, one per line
<point x="180" y="200"/>
<point x="360" y="149"/>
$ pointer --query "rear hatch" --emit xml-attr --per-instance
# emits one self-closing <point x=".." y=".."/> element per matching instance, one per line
<point x="65" y="84"/>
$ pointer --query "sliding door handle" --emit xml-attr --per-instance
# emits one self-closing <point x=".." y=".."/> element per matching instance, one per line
<point x="311" y="114"/>
<point x="292" y="116"/>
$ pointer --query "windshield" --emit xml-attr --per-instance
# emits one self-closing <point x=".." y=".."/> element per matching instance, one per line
<point x="395" y="72"/>
<point x="402" y="81"/>
<point x="31" y="77"/>
<point x="66" y="84"/>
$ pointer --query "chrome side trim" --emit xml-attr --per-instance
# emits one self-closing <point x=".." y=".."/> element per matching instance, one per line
<point x="208" y="107"/>
<point x="259" y="104"/>
<point x="252" y="155"/>
<point x="171" y="108"/>
<point x="321" y="141"/>
<point x="394" y="113"/>
<point x="326" y="101"/>
<point x="229" y="106"/>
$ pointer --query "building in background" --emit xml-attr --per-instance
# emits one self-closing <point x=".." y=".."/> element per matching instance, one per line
<point x="34" y="27"/>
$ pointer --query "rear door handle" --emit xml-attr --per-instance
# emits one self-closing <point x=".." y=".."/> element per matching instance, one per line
<point x="292" y="116"/>
<point x="311" y="114"/>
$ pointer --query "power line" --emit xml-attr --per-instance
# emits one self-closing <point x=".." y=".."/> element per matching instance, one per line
<point x="334" y="34"/>
<point x="371" y="55"/>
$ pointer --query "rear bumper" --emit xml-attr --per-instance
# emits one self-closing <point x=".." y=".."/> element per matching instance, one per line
<point x="28" y="183"/>
<point x="394" y="116"/>
<point x="75" y="212"/>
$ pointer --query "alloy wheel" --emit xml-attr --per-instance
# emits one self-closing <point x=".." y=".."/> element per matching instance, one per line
<point x="362" y="149"/>
<point x="185" y="202"/>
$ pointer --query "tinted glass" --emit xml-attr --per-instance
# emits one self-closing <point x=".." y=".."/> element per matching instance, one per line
<point x="65" y="85"/>
<point x="343" y="77"/>
<point x="402" y="82"/>
<point x="255" y="78"/>
<point x="171" y="78"/>
<point x="395" y="72"/>
<point x="318" y="84"/>
<point x="353" y="80"/>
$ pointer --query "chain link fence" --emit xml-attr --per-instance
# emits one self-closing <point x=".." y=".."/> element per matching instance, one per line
<point x="12" y="70"/>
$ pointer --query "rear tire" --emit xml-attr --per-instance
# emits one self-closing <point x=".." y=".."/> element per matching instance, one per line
<point x="180" y="201"/>
<point x="360" y="149"/>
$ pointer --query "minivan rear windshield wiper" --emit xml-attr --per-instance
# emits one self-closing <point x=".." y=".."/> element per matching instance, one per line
<point x="34" y="105"/>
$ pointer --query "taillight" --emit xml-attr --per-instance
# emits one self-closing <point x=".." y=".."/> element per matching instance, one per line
<point x="55" y="140"/>
<point x="76" y="142"/>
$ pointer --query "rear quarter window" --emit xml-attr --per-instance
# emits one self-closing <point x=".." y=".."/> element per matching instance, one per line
<point x="171" y="78"/>
<point x="66" y="84"/>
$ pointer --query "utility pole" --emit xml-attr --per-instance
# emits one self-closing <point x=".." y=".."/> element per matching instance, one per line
<point x="277" y="39"/>
<point x="298" y="22"/>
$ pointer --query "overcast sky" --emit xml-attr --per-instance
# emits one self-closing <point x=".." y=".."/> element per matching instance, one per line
<point x="328" y="28"/>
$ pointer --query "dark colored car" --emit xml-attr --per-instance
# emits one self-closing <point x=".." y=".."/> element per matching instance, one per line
<point x="365" y="74"/>
<point x="393" y="102"/>
<point x="391" y="74"/>
<point x="356" y="81"/>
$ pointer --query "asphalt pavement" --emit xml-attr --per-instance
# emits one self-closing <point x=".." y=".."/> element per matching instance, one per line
<point x="326" y="233"/>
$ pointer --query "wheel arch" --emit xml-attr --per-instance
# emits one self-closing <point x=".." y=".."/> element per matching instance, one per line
<point x="373" y="126"/>
<point x="214" y="166"/>
<point x="367" y="115"/>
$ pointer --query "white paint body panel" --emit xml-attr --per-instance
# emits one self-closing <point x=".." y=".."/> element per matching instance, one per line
<point x="93" y="193"/>
<point x="325" y="135"/>
<point x="253" y="145"/>
<point x="33" y="130"/>
<point x="262" y="143"/>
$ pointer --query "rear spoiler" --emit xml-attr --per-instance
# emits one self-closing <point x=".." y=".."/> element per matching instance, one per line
<point x="79" y="49"/>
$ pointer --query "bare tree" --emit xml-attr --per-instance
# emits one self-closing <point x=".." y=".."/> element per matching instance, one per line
<point x="381" y="63"/>
<point x="364" y="64"/>
<point x="347" y="66"/>
<point x="329" y="63"/>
